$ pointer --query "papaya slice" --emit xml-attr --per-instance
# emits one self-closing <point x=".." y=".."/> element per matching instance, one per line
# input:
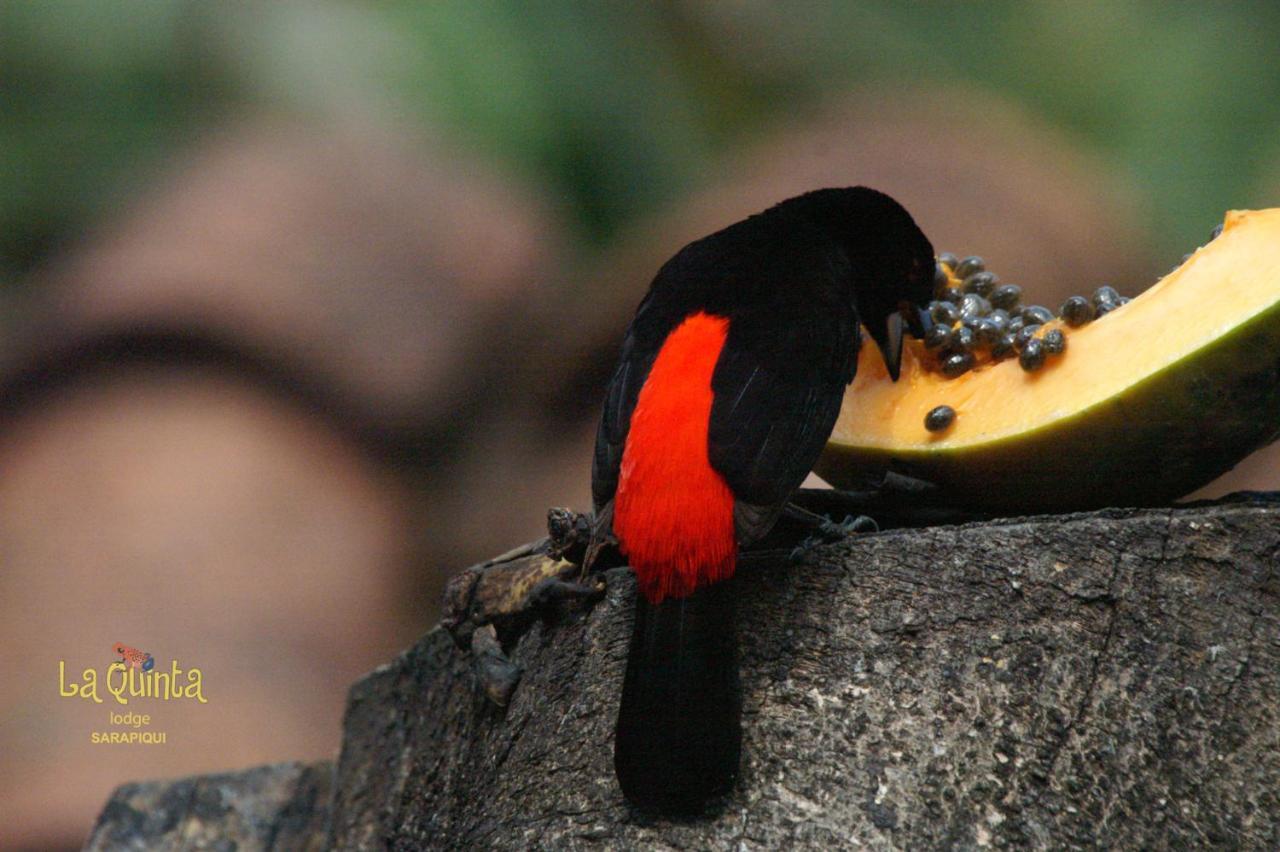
<point x="1147" y="404"/>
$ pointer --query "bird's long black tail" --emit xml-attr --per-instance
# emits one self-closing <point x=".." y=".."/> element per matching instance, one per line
<point x="679" y="735"/>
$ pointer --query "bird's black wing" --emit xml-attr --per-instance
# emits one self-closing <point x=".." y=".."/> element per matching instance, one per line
<point x="775" y="403"/>
<point x="638" y="355"/>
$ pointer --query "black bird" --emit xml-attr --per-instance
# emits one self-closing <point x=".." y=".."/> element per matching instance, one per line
<point x="731" y="377"/>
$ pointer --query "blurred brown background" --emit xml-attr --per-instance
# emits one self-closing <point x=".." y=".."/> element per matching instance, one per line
<point x="305" y="307"/>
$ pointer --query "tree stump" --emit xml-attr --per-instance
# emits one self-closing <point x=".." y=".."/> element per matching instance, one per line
<point x="1109" y="679"/>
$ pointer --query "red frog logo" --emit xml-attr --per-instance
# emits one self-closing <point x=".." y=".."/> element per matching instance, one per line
<point x="139" y="660"/>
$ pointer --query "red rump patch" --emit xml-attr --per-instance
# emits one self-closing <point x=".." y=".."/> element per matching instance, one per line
<point x="672" y="513"/>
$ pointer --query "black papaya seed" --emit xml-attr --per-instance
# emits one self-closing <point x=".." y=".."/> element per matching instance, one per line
<point x="986" y="332"/>
<point x="981" y="283"/>
<point x="1002" y="347"/>
<point x="1006" y="296"/>
<point x="962" y="339"/>
<point x="943" y="313"/>
<point x="969" y="265"/>
<point x="1037" y="314"/>
<point x="937" y="336"/>
<point x="957" y="364"/>
<point x="1055" y="342"/>
<point x="939" y="418"/>
<point x="1105" y="295"/>
<point x="948" y="260"/>
<point x="1025" y="336"/>
<point x="1077" y="311"/>
<point x="1032" y="356"/>
<point x="973" y="305"/>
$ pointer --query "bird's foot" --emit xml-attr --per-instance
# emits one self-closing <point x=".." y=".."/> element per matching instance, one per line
<point x="833" y="531"/>
<point x="826" y="531"/>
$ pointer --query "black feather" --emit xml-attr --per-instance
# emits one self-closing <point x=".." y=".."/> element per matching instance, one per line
<point x="771" y="417"/>
<point x="679" y="736"/>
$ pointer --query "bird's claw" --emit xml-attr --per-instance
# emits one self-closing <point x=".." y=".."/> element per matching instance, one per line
<point x="829" y="532"/>
<point x="833" y="531"/>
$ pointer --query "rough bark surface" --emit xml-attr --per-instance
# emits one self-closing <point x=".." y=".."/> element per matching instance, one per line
<point x="1108" y="679"/>
<point x="1104" y="679"/>
<point x="283" y="806"/>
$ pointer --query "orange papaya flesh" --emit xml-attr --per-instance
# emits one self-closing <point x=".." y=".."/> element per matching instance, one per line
<point x="1147" y="404"/>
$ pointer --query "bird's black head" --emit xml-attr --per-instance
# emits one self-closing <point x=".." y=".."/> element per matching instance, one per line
<point x="891" y="262"/>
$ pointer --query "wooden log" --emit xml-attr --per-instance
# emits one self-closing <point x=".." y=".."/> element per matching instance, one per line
<point x="1096" y="680"/>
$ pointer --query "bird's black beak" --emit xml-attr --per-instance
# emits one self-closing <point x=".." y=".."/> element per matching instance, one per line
<point x="889" y="338"/>
<point x="918" y="320"/>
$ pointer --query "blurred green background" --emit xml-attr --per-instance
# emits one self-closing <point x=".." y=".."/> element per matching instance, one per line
<point x="620" y="106"/>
